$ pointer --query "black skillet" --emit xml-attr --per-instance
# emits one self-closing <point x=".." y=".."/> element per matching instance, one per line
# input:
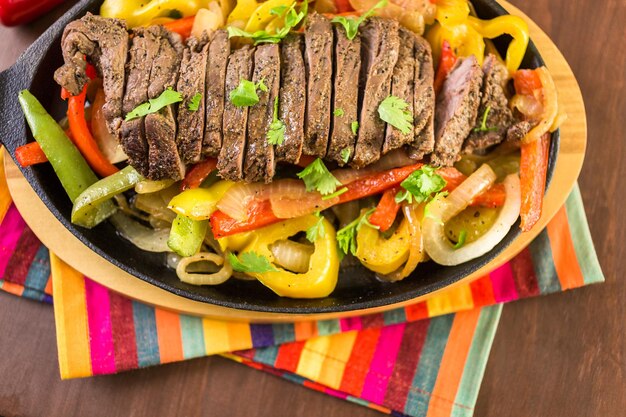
<point x="357" y="289"/>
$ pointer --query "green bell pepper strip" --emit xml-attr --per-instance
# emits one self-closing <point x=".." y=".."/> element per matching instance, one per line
<point x="101" y="192"/>
<point x="186" y="235"/>
<point x="68" y="164"/>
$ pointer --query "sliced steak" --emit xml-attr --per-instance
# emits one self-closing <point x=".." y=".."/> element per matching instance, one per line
<point x="143" y="51"/>
<point x="517" y="131"/>
<point x="318" y="58"/>
<point x="219" y="50"/>
<point x="424" y="100"/>
<point x="105" y="43"/>
<point x="457" y="107"/>
<point x="292" y="101"/>
<point x="402" y="86"/>
<point x="191" y="85"/>
<point x="259" y="164"/>
<point x="230" y="160"/>
<point x="380" y="44"/>
<point x="346" y="96"/>
<point x="494" y="105"/>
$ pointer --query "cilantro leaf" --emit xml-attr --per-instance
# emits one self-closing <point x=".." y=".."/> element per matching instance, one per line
<point x="462" y="238"/>
<point x="346" y="236"/>
<point x="317" y="177"/>
<point x="276" y="133"/>
<point x="355" y="127"/>
<point x="338" y="112"/>
<point x="278" y="10"/>
<point x="245" y="93"/>
<point x="345" y="155"/>
<point x="393" y="110"/>
<point x="261" y="86"/>
<point x="194" y="103"/>
<point x="421" y="185"/>
<point x="335" y="194"/>
<point x="251" y="262"/>
<point x="292" y="19"/>
<point x="317" y="230"/>
<point x="483" y="124"/>
<point x="167" y="97"/>
<point x="351" y="24"/>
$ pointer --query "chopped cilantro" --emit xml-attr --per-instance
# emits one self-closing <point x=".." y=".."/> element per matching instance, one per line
<point x="338" y="112"/>
<point x="346" y="236"/>
<point x="167" y="97"/>
<point x="393" y="110"/>
<point x="276" y="134"/>
<point x="317" y="230"/>
<point x="245" y="93"/>
<point x="345" y="155"/>
<point x="194" y="103"/>
<point x="335" y="194"/>
<point x="251" y="262"/>
<point x="462" y="237"/>
<point x="421" y="185"/>
<point x="278" y="10"/>
<point x="351" y="24"/>
<point x="483" y="124"/>
<point x="355" y="127"/>
<point x="291" y="17"/>
<point x="317" y="177"/>
<point x="261" y="85"/>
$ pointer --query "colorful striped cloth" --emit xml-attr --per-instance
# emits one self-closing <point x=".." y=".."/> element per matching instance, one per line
<point x="426" y="359"/>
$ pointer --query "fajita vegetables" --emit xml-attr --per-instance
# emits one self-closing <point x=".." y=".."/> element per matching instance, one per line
<point x="276" y="140"/>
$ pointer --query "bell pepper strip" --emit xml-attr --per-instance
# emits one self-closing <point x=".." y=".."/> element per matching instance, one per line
<point x="141" y="12"/>
<point x="526" y="82"/>
<point x="386" y="210"/>
<point x="262" y="15"/>
<point x="18" y="12"/>
<point x="186" y="235"/>
<point x="259" y="214"/>
<point x="376" y="183"/>
<point x="198" y="173"/>
<point x="181" y="26"/>
<point x="69" y="165"/>
<point x="343" y="6"/>
<point x="446" y="62"/>
<point x="199" y="203"/>
<point x="321" y="278"/>
<point x="533" y="171"/>
<point x="383" y="255"/>
<point x="30" y="154"/>
<point x="83" y="138"/>
<point x="101" y="191"/>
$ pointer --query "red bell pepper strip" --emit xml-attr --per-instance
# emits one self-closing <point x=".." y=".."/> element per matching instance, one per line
<point x="376" y="183"/>
<point x="17" y="12"/>
<point x="446" y="62"/>
<point x="260" y="214"/>
<point x="533" y="171"/>
<point x="526" y="82"/>
<point x="83" y="138"/>
<point x="343" y="6"/>
<point x="386" y="210"/>
<point x="198" y="174"/>
<point x="30" y="154"/>
<point x="181" y="26"/>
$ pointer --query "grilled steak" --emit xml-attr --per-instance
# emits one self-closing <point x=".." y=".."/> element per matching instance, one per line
<point x="230" y="160"/>
<point x="219" y="50"/>
<point x="424" y="100"/>
<point x="318" y="58"/>
<point x="517" y="131"/>
<point x="259" y="164"/>
<point x="402" y="86"/>
<point x="292" y="101"/>
<point x="346" y="96"/>
<point x="191" y="86"/>
<point x="457" y="107"/>
<point x="493" y="105"/>
<point x="105" y="43"/>
<point x="380" y="43"/>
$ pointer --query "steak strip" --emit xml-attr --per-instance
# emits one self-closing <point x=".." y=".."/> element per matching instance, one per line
<point x="424" y="100"/>
<point x="219" y="50"/>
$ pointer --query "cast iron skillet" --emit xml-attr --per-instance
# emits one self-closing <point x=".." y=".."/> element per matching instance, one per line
<point x="357" y="289"/>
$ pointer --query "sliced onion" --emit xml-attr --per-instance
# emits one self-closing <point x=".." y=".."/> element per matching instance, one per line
<point x="529" y="106"/>
<point x="550" y="106"/>
<point x="238" y="198"/>
<point x="292" y="256"/>
<point x="413" y="214"/>
<point x="346" y="212"/>
<point x="215" y="278"/>
<point x="108" y="143"/>
<point x="437" y="244"/>
<point x="150" y="240"/>
<point x="289" y="198"/>
<point x="155" y="204"/>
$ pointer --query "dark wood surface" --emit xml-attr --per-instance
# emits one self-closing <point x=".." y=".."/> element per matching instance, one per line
<point x="561" y="355"/>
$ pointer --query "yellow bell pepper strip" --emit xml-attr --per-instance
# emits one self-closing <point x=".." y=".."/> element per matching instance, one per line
<point x="321" y="278"/>
<point x="186" y="235"/>
<point x="141" y="12"/>
<point x="68" y="164"/>
<point x="511" y="25"/>
<point x="383" y="255"/>
<point x="263" y="15"/>
<point x="200" y="203"/>
<point x="243" y="10"/>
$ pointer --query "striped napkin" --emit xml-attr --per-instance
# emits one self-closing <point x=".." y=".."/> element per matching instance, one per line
<point x="426" y="359"/>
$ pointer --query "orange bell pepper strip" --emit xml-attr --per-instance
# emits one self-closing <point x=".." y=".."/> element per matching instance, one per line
<point x="198" y="174"/>
<point x="526" y="82"/>
<point x="260" y="214"/>
<point x="446" y="62"/>
<point x="343" y="6"/>
<point x="386" y="210"/>
<point x="533" y="171"/>
<point x="181" y="26"/>
<point x="83" y="138"/>
<point x="30" y="154"/>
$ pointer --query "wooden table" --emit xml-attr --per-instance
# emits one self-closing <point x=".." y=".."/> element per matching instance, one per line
<point x="561" y="355"/>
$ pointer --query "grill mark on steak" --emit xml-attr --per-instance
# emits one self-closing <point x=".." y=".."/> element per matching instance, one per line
<point x="456" y="111"/>
<point x="292" y="100"/>
<point x="380" y="43"/>
<point x="318" y="37"/>
<point x="500" y="117"/>
<point x="259" y="164"/>
<point x="424" y="100"/>
<point x="219" y="50"/>
<point x="191" y="82"/>
<point x="402" y="86"/>
<point x="346" y="95"/>
<point x="105" y="42"/>
<point x="230" y="160"/>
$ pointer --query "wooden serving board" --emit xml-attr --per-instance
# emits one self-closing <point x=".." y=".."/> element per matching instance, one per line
<point x="70" y="250"/>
